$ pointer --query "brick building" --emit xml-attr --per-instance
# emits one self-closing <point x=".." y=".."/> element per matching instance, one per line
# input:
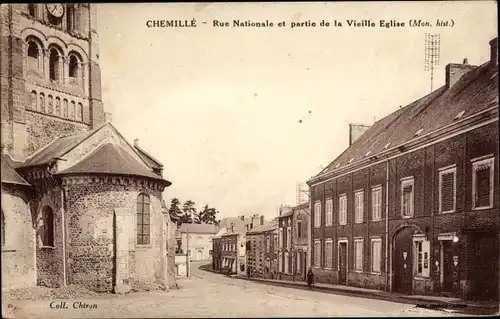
<point x="217" y="249"/>
<point x="80" y="204"/>
<point x="262" y="252"/>
<point x="234" y="251"/>
<point x="412" y="205"/>
<point x="293" y="232"/>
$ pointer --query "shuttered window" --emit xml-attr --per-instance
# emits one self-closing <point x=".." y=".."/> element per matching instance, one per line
<point x="317" y="253"/>
<point x="343" y="210"/>
<point x="328" y="253"/>
<point x="376" y="254"/>
<point x="377" y="203"/>
<point x="359" y="202"/>
<point x="317" y="214"/>
<point x="483" y="186"/>
<point x="483" y="183"/>
<point x="447" y="181"/>
<point x="329" y="212"/>
<point x="358" y="254"/>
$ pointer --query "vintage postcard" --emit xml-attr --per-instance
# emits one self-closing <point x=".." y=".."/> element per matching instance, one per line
<point x="181" y="160"/>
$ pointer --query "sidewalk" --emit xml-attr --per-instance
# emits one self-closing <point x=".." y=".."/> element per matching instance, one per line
<point x="420" y="300"/>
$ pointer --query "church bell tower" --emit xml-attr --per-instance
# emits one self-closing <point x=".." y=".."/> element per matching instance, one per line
<point x="50" y="74"/>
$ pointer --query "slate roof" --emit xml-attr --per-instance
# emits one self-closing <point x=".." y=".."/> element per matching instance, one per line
<point x="148" y="158"/>
<point x="9" y="175"/>
<point x="57" y="148"/>
<point x="111" y="158"/>
<point x="475" y="91"/>
<point x="199" y="228"/>
<point x="221" y="232"/>
<point x="272" y="225"/>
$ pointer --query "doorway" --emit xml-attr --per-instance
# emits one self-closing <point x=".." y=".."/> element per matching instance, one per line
<point x="199" y="255"/>
<point x="447" y="262"/>
<point x="403" y="261"/>
<point x="343" y="263"/>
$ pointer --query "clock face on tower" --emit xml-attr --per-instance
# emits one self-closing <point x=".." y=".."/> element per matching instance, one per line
<point x="55" y="9"/>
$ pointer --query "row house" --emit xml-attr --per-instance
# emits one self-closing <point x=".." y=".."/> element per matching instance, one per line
<point x="261" y="253"/>
<point x="293" y="242"/>
<point x="217" y="249"/>
<point x="233" y="251"/>
<point x="412" y="205"/>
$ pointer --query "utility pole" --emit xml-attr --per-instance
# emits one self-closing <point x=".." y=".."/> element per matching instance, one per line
<point x="188" y="266"/>
<point x="432" y="53"/>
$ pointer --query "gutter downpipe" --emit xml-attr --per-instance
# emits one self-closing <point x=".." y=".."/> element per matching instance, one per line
<point x="387" y="286"/>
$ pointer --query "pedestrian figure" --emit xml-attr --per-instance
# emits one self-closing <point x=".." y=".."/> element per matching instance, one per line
<point x="310" y="278"/>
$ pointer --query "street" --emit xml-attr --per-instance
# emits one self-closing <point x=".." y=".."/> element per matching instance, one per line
<point x="207" y="294"/>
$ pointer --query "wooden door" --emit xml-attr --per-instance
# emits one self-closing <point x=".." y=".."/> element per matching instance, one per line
<point x="342" y="263"/>
<point x="403" y="261"/>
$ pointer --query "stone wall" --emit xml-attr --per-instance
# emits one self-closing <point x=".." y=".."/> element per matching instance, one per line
<point x="18" y="251"/>
<point x="90" y="242"/>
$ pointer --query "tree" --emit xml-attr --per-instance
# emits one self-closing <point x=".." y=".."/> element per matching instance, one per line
<point x="174" y="211"/>
<point x="188" y="209"/>
<point x="208" y="215"/>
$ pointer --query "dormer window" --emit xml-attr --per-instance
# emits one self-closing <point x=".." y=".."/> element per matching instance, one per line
<point x="459" y="115"/>
<point x="418" y="132"/>
<point x="386" y="146"/>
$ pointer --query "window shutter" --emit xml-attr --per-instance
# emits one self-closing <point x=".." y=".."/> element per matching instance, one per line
<point x="483" y="186"/>
<point x="425" y="258"/>
<point x="447" y="191"/>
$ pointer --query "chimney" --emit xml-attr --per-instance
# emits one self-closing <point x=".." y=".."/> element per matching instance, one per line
<point x="232" y="227"/>
<point x="136" y="142"/>
<point x="262" y="220"/>
<point x="494" y="52"/>
<point x="355" y="131"/>
<point x="454" y="72"/>
<point x="242" y="217"/>
<point x="108" y="117"/>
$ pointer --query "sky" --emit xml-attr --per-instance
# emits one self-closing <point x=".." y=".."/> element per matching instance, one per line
<point x="239" y="115"/>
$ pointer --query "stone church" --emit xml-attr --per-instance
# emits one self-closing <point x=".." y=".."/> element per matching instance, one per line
<point x="80" y="204"/>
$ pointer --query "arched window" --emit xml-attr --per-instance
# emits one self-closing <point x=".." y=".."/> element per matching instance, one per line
<point x="79" y="112"/>
<point x="58" y="106"/>
<point x="65" y="108"/>
<point x="72" y="110"/>
<point x="3" y="229"/>
<point x="48" y="227"/>
<point x="33" y="50"/>
<point x="74" y="67"/>
<point x="34" y="100"/>
<point x="34" y="56"/>
<point x="143" y="220"/>
<point x="50" y="104"/>
<point x="42" y="103"/>
<point x="54" y="64"/>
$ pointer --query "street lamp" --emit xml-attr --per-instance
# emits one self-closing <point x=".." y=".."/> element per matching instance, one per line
<point x="455" y="238"/>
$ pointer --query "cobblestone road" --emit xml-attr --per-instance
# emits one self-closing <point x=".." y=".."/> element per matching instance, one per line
<point x="207" y="294"/>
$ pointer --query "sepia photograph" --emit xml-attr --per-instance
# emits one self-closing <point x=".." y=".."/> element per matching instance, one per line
<point x="249" y="159"/>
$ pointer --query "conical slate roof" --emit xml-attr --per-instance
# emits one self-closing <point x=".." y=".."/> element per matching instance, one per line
<point x="111" y="159"/>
